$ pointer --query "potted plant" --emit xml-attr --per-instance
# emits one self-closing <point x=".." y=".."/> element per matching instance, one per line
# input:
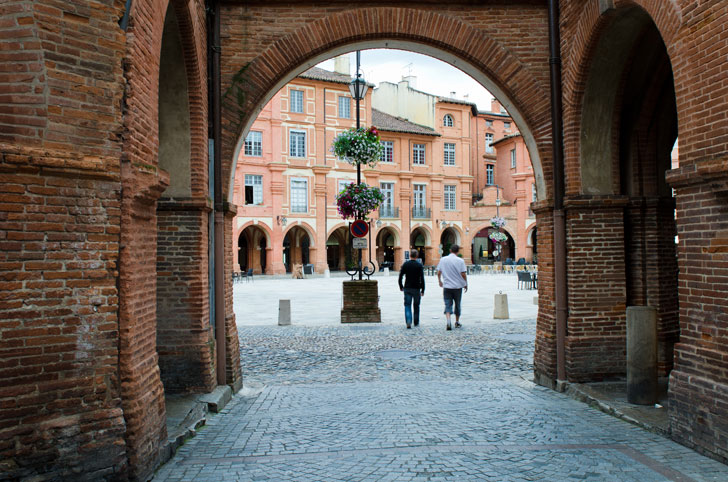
<point x="358" y="200"/>
<point x="497" y="222"/>
<point x="358" y="146"/>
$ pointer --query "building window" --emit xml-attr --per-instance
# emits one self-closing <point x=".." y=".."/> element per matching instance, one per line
<point x="488" y="123"/>
<point x="343" y="184"/>
<point x="420" y="202"/>
<point x="489" y="174"/>
<point x="254" y="144"/>
<point x="506" y="125"/>
<point x="449" y="198"/>
<point x="387" y="208"/>
<point x="253" y="189"/>
<point x="388" y="152"/>
<point x="489" y="143"/>
<point x="298" y="144"/>
<point x="447" y="121"/>
<point x="513" y="158"/>
<point x="297" y="101"/>
<point x="344" y="107"/>
<point x="418" y="154"/>
<point x="449" y="154"/>
<point x="299" y="195"/>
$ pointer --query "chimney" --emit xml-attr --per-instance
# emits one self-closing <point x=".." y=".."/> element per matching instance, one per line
<point x="452" y="94"/>
<point x="341" y="65"/>
<point x="411" y="80"/>
<point x="495" y="105"/>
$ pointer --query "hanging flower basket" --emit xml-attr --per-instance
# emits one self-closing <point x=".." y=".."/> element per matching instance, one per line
<point x="498" y="237"/>
<point x="358" y="200"/>
<point x="497" y="222"/>
<point x="358" y="146"/>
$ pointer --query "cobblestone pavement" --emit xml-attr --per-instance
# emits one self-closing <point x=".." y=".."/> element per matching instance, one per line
<point x="381" y="403"/>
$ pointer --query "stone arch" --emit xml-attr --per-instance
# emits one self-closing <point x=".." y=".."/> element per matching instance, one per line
<point x="267" y="230"/>
<point x="592" y="24"/>
<point x="394" y="230"/>
<point x="502" y="74"/>
<point x="530" y="231"/>
<point x="310" y="231"/>
<point x="337" y="226"/>
<point x="624" y="125"/>
<point x="425" y="229"/>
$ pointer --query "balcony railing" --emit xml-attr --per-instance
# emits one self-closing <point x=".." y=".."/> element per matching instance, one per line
<point x="421" y="213"/>
<point x="389" y="212"/>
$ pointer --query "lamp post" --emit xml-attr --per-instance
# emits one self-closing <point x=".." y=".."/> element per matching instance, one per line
<point x="358" y="89"/>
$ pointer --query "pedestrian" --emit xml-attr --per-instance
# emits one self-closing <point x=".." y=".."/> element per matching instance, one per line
<point x="453" y="277"/>
<point x="414" y="287"/>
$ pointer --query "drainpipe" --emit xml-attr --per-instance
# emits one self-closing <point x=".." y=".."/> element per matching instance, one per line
<point x="557" y="126"/>
<point x="213" y="9"/>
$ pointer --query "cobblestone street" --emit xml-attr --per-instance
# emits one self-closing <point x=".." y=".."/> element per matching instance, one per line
<point x="326" y="402"/>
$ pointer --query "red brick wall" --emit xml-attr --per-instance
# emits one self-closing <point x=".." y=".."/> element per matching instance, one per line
<point x="233" y="371"/>
<point x="184" y="335"/>
<point x="544" y="357"/>
<point x="143" y="392"/>
<point x="699" y="381"/>
<point x="60" y="407"/>
<point x="595" y="344"/>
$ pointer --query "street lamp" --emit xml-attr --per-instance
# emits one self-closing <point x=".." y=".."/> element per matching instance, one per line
<point x="358" y="89"/>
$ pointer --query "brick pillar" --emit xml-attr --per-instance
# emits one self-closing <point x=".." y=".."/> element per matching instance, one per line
<point x="398" y="257"/>
<point x="233" y="371"/>
<point x="596" y="325"/>
<point x="318" y="256"/>
<point x="277" y="187"/>
<point x="544" y="358"/>
<point x="142" y="393"/>
<point x="699" y="381"/>
<point x="652" y="268"/>
<point x="184" y="332"/>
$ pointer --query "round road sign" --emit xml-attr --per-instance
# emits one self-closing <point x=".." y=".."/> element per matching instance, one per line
<point x="359" y="228"/>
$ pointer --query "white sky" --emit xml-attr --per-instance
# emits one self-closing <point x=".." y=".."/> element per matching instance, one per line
<point x="433" y="76"/>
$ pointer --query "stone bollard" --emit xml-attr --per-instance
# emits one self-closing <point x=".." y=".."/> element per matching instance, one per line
<point x="500" y="307"/>
<point x="535" y="300"/>
<point x="641" y="355"/>
<point x="284" y="312"/>
<point x="327" y="273"/>
<point x="386" y="271"/>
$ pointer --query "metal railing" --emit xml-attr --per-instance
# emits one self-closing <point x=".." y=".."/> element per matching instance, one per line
<point x="421" y="213"/>
<point x="389" y="212"/>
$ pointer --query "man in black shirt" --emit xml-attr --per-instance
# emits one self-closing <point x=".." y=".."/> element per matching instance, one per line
<point x="414" y="287"/>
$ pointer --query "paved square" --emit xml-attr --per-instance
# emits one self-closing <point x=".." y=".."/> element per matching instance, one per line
<point x="381" y="403"/>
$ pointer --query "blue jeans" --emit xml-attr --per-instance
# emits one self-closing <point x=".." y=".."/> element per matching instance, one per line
<point x="450" y="295"/>
<point x="411" y="295"/>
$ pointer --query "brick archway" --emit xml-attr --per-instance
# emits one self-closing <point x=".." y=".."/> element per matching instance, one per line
<point x="516" y="75"/>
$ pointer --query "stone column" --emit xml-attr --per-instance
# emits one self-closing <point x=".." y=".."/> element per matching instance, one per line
<point x="641" y="355"/>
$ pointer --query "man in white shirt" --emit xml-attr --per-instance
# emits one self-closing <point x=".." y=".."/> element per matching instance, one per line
<point x="453" y="277"/>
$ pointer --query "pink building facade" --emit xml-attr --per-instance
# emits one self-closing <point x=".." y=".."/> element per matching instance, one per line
<point x="287" y="179"/>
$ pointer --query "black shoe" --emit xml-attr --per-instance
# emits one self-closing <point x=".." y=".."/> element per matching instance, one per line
<point x="417" y="323"/>
<point x="409" y="327"/>
<point x="448" y="326"/>
<point x="458" y="325"/>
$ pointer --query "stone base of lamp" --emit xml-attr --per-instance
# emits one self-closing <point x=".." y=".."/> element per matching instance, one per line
<point x="361" y="302"/>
